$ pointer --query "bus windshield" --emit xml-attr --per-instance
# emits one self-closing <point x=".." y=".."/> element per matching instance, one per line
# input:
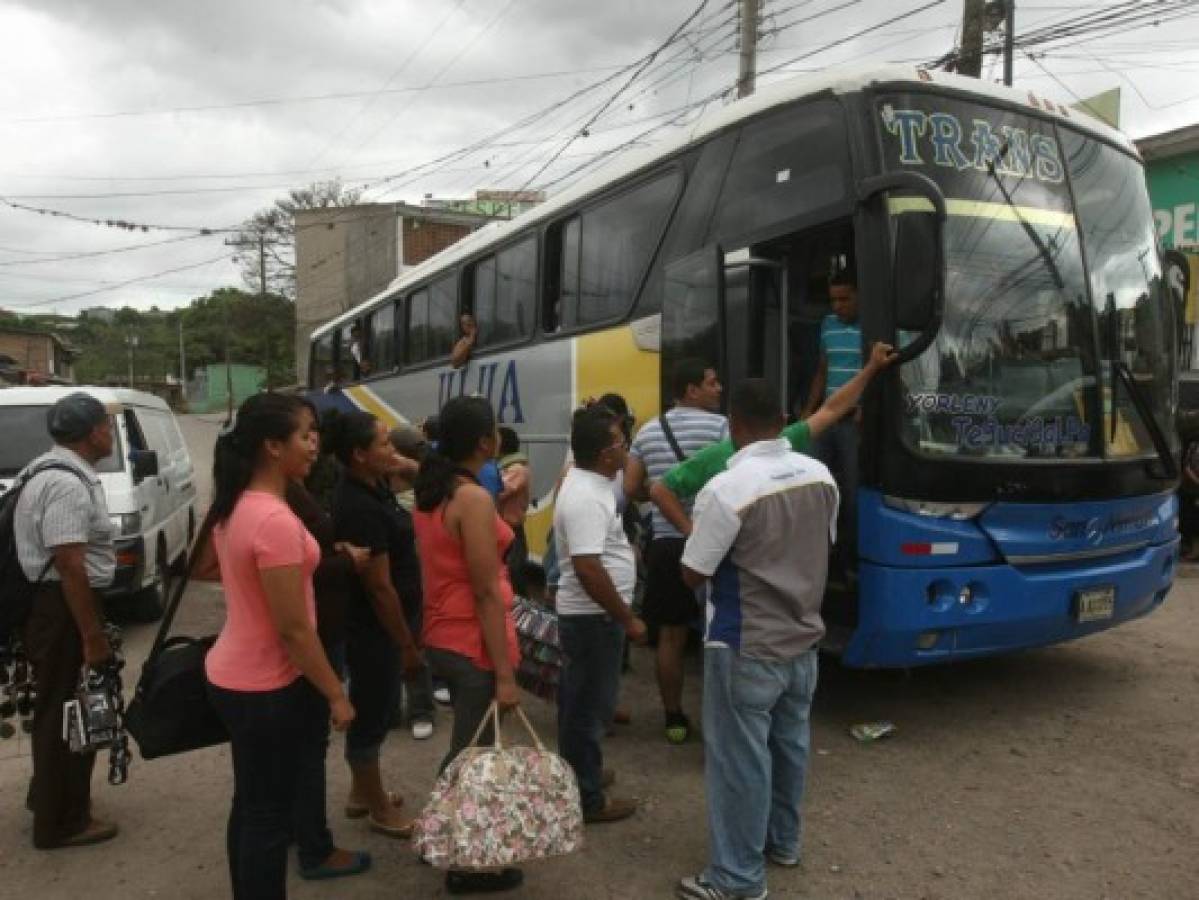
<point x="1022" y="366"/>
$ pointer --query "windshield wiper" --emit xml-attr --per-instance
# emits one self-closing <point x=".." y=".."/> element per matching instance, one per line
<point x="1141" y="404"/>
<point x="1037" y="240"/>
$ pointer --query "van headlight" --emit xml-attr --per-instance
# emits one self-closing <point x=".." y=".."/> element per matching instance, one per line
<point x="127" y="523"/>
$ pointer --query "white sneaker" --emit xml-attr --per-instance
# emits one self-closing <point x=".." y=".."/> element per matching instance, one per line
<point x="442" y="695"/>
<point x="422" y="729"/>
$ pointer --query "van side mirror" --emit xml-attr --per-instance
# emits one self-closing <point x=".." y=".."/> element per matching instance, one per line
<point x="145" y="464"/>
<point x="914" y="269"/>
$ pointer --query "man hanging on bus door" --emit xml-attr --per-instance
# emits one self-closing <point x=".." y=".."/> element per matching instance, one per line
<point x="840" y="360"/>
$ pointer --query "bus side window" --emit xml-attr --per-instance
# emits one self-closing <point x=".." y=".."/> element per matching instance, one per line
<point x="320" y="369"/>
<point x="443" y="316"/>
<point x="483" y="305"/>
<point x="381" y="339"/>
<point x="515" y="292"/>
<point x="787" y="165"/>
<point x="418" y="326"/>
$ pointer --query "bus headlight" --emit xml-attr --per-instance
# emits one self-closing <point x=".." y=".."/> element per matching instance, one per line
<point x="956" y="511"/>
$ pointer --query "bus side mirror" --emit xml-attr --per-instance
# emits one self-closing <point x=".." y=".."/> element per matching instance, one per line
<point x="145" y="464"/>
<point x="915" y="269"/>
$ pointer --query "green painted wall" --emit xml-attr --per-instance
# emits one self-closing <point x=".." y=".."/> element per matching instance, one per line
<point x="1174" y="192"/>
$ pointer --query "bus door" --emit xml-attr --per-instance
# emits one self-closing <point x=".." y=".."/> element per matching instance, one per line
<point x="726" y="308"/>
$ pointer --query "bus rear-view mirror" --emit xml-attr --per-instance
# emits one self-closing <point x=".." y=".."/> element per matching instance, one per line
<point x="915" y="269"/>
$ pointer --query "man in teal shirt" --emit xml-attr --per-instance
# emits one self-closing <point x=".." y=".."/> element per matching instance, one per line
<point x="687" y="479"/>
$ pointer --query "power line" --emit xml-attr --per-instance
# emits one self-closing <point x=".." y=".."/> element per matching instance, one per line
<point x="674" y="36"/>
<point x="433" y="32"/>
<point x="120" y="284"/>
<point x="123" y="224"/>
<point x="91" y="254"/>
<point x="303" y="98"/>
<point x="854" y="36"/>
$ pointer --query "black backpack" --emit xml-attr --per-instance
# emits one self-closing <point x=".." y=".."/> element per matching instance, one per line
<point x="16" y="591"/>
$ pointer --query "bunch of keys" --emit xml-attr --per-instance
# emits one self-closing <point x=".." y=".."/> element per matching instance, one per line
<point x="18" y="693"/>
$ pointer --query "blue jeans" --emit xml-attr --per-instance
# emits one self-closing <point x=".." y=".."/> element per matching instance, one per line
<point x="278" y="739"/>
<point x="756" y="743"/>
<point x="374" y="667"/>
<point x="471" y="692"/>
<point x="592" y="651"/>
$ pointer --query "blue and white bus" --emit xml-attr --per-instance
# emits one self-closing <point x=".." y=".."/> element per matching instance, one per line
<point x="1017" y="469"/>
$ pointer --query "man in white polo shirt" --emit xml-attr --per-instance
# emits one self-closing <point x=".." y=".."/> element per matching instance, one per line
<point x="595" y="591"/>
<point x="761" y="535"/>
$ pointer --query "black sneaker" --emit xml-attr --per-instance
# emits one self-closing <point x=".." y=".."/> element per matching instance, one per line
<point x="458" y="882"/>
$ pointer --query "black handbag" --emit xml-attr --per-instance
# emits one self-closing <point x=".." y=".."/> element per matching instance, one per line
<point x="171" y="712"/>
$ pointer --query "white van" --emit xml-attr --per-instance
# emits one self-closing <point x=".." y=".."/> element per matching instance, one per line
<point x="148" y="481"/>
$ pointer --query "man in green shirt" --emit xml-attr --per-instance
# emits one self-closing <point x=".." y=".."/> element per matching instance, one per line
<point x="686" y="479"/>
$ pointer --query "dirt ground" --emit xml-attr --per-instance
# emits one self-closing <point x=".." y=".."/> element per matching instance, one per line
<point x="1070" y="772"/>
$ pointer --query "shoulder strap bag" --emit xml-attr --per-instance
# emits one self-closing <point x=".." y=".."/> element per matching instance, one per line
<point x="671" y="439"/>
<point x="170" y="712"/>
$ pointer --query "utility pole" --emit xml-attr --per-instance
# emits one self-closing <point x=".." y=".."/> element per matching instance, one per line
<point x="182" y="358"/>
<point x="266" y="332"/>
<point x="970" y="51"/>
<point x="747" y="64"/>
<point x="1009" y="39"/>
<point x="131" y="343"/>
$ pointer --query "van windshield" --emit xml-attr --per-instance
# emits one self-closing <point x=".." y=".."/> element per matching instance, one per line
<point x="26" y="438"/>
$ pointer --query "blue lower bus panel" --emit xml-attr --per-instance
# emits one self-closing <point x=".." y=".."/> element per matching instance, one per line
<point x="933" y="593"/>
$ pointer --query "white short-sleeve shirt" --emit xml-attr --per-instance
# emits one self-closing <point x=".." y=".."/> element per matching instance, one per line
<point x="586" y="523"/>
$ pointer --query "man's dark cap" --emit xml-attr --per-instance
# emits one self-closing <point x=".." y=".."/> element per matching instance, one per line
<point x="73" y="417"/>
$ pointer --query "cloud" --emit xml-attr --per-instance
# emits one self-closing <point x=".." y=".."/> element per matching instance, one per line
<point x="86" y="60"/>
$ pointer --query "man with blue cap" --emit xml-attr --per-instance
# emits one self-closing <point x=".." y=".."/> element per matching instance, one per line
<point x="64" y="541"/>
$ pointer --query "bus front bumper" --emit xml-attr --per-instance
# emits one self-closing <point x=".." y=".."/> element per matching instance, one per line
<point x="921" y="616"/>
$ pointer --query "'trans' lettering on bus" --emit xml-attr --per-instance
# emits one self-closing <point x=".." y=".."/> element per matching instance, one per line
<point x="1034" y="431"/>
<point x="978" y="144"/>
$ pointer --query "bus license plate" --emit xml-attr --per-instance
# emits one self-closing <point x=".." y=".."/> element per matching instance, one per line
<point x="1095" y="604"/>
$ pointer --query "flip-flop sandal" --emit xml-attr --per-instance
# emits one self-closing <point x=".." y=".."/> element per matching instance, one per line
<point x="361" y="862"/>
<point x="94" y="833"/>
<point x="399" y="832"/>
<point x="361" y="810"/>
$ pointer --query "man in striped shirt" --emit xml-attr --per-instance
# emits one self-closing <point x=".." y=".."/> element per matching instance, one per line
<point x="840" y="361"/>
<point x="662" y="443"/>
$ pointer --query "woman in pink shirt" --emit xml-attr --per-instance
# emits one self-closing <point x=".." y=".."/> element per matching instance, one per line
<point x="268" y="676"/>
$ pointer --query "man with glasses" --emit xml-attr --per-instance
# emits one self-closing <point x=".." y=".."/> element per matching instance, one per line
<point x="595" y="592"/>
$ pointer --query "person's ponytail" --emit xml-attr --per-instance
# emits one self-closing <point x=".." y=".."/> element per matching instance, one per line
<point x="463" y="423"/>
<point x="435" y="481"/>
<point x="261" y="418"/>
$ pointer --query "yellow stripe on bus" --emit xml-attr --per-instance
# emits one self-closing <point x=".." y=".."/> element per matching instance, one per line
<point x="980" y="209"/>
<point x="368" y="400"/>
<point x="610" y="361"/>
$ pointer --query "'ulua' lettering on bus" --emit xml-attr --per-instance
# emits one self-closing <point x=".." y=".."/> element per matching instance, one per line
<point x="481" y="378"/>
<point x="1011" y="150"/>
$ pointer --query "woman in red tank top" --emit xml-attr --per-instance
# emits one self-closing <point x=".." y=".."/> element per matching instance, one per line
<point x="469" y="634"/>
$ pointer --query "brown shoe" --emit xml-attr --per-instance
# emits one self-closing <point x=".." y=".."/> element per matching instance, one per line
<point x="613" y="810"/>
<point x="622" y="716"/>
<point x="96" y="832"/>
<point x="607" y="778"/>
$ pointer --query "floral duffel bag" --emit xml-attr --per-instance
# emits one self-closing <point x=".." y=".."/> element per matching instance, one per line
<point x="498" y="806"/>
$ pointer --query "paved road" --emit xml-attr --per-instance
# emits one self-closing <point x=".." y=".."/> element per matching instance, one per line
<point x="1070" y="772"/>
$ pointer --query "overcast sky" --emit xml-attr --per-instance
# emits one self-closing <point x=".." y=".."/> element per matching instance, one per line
<point x="198" y="113"/>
